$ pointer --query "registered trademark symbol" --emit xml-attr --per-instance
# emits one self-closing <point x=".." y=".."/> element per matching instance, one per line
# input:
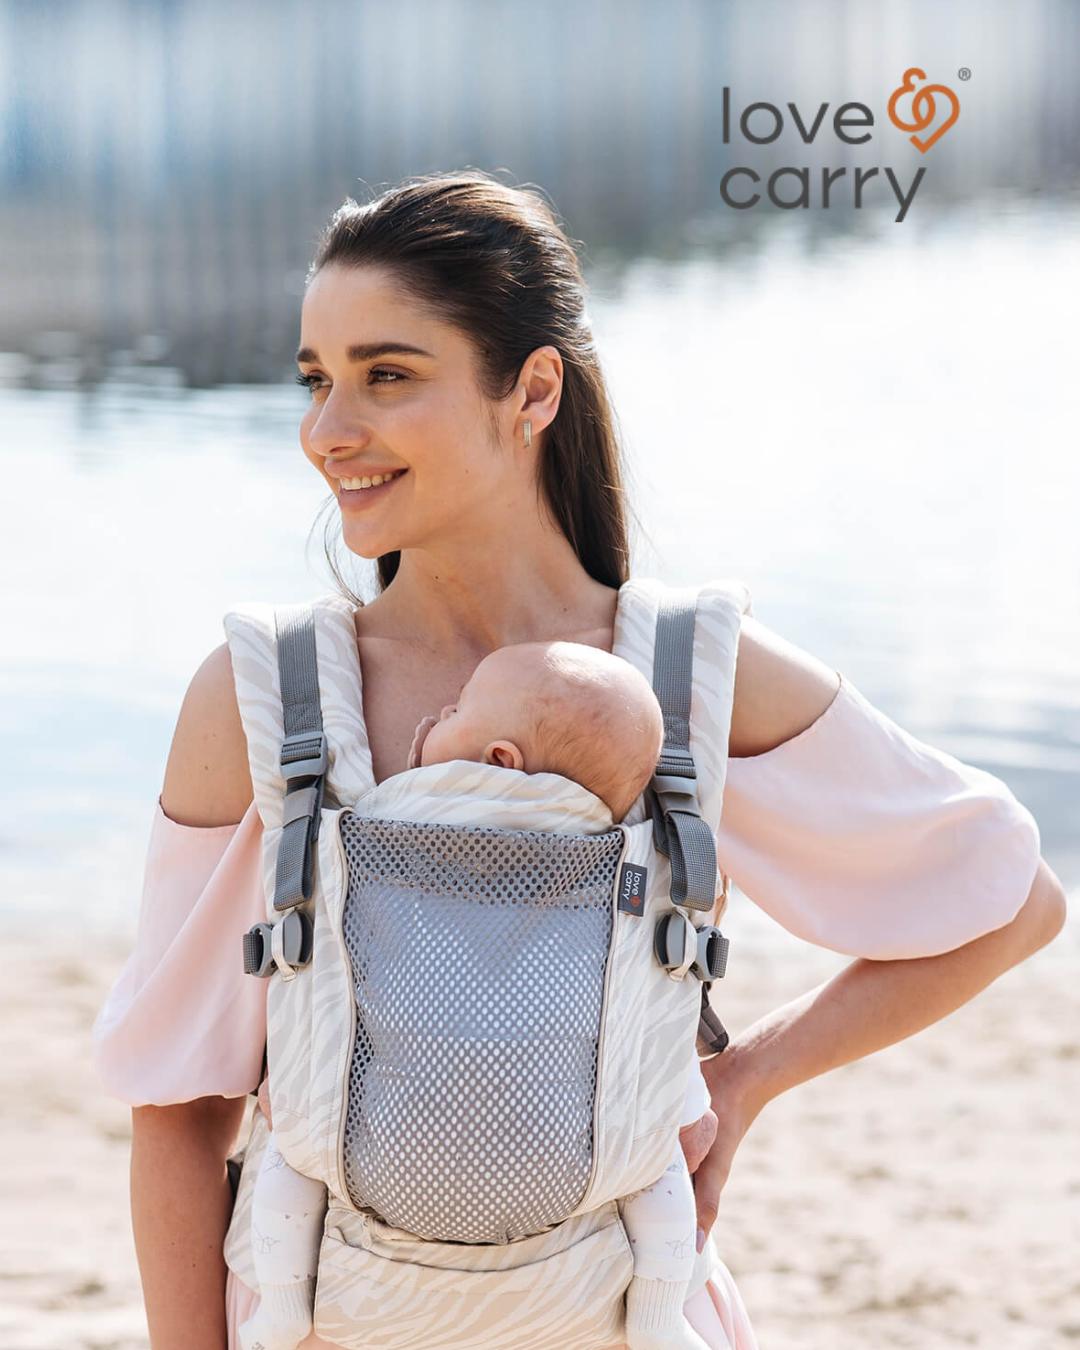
<point x="964" y="73"/>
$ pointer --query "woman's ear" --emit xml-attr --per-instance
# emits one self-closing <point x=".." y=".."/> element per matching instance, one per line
<point x="505" y="754"/>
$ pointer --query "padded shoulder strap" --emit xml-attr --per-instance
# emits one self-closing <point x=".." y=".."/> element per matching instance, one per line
<point x="302" y="764"/>
<point x="252" y="633"/>
<point x="721" y="604"/>
<point x="303" y="754"/>
<point x="707" y="620"/>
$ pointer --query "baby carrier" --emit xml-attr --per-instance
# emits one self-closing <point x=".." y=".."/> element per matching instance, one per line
<point x="478" y="1037"/>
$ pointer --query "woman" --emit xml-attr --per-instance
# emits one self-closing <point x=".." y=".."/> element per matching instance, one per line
<point x="459" y="415"/>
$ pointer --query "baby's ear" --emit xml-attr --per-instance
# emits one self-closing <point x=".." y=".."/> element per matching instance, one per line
<point x="505" y="754"/>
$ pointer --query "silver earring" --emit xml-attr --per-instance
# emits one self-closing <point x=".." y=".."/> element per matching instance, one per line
<point x="528" y="433"/>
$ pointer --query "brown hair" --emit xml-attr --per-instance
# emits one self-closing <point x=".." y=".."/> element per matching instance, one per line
<point x="494" y="261"/>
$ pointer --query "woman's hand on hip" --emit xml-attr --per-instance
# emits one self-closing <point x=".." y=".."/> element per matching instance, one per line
<point x="264" y="1101"/>
<point x="710" y="1143"/>
<point x="697" y="1139"/>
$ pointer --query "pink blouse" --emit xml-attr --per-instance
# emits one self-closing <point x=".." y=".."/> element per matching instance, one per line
<point x="853" y="835"/>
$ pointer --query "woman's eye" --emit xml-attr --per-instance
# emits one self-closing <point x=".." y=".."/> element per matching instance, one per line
<point x="313" y="382"/>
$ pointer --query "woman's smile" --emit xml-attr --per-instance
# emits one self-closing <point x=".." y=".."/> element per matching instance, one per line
<point x="358" y="491"/>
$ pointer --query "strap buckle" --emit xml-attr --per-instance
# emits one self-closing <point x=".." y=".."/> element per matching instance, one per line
<point x="303" y="755"/>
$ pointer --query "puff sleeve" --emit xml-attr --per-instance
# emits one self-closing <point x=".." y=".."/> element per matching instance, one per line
<point x="182" y="1020"/>
<point x="859" y="837"/>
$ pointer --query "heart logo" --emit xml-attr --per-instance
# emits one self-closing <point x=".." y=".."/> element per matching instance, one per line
<point x="923" y="108"/>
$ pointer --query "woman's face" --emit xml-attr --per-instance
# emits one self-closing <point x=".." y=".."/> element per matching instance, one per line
<point x="414" y="417"/>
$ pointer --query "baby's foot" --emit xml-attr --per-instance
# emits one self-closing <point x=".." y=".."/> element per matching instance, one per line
<point x="282" y="1319"/>
<point x="655" y="1318"/>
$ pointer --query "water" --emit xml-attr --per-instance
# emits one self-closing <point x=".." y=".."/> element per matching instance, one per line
<point x="170" y="187"/>
<point x="878" y="437"/>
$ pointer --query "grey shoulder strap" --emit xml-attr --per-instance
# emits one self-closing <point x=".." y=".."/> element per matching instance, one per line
<point x="303" y="766"/>
<point x="679" y="831"/>
<point x="303" y="754"/>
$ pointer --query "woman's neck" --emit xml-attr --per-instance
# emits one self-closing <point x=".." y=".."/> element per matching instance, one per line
<point x="476" y="604"/>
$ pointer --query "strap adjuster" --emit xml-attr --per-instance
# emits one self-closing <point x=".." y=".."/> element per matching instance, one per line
<point x="257" y="957"/>
<point x="303" y="755"/>
<point x="675" y="792"/>
<point x="676" y="761"/>
<point x="684" y="950"/>
<point x="712" y="954"/>
<point x="298" y="803"/>
<point x="293" y="936"/>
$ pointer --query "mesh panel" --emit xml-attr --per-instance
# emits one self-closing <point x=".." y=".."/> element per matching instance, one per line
<point x="478" y="958"/>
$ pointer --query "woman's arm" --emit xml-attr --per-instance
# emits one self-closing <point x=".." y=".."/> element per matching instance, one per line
<point x="870" y="1004"/>
<point x="866" y="1007"/>
<point x="207" y="779"/>
<point x="181" y="1200"/>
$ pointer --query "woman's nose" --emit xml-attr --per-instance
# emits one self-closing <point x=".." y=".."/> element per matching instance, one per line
<point x="450" y="708"/>
<point x="335" y="429"/>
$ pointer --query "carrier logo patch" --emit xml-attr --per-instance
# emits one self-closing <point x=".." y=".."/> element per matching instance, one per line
<point x="632" y="880"/>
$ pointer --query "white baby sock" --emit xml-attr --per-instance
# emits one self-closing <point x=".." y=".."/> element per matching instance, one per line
<point x="660" y="1222"/>
<point x="287" y="1211"/>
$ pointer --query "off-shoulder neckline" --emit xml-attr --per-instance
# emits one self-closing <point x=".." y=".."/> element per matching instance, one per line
<point x="200" y="829"/>
<point x="843" y="690"/>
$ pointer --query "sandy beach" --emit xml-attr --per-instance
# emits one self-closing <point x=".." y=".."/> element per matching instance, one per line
<point x="926" y="1197"/>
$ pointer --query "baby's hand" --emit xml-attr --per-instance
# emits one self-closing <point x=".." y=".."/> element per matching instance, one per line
<point x="264" y="1100"/>
<point x="422" y="729"/>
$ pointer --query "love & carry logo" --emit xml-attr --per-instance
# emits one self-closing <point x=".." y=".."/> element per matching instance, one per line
<point x="924" y="107"/>
<point x="924" y="110"/>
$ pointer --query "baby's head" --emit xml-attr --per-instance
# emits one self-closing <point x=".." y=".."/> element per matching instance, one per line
<point x="553" y="707"/>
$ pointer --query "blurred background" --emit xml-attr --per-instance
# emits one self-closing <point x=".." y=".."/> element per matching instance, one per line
<point x="868" y="421"/>
<point x="872" y="423"/>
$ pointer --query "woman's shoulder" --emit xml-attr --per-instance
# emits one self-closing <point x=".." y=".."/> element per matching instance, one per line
<point x="207" y="778"/>
<point x="780" y="690"/>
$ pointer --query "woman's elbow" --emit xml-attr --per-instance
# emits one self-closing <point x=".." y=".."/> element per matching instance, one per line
<point x="1042" y="916"/>
<point x="211" y="1122"/>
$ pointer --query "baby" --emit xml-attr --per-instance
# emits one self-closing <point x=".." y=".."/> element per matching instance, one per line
<point x="555" y="707"/>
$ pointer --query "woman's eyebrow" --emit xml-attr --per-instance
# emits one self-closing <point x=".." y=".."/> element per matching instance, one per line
<point x="368" y="351"/>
